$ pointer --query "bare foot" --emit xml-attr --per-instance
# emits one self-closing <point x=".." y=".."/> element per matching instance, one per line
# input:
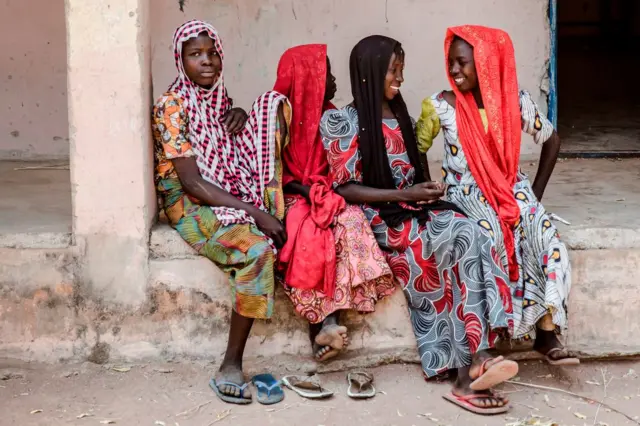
<point x="324" y="353"/>
<point x="232" y="374"/>
<point x="332" y="335"/>
<point x="476" y="365"/>
<point x="331" y="339"/>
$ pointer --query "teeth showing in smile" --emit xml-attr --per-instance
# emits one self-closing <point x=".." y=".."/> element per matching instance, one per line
<point x="458" y="80"/>
<point x="395" y="87"/>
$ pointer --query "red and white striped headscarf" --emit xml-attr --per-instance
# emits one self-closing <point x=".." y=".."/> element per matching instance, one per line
<point x="241" y="164"/>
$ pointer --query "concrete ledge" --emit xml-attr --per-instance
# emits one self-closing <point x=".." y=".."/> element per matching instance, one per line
<point x="35" y="240"/>
<point x="185" y="316"/>
<point x="601" y="238"/>
<point x="46" y="315"/>
<point x="604" y="303"/>
<point x="602" y="258"/>
<point x="166" y="243"/>
<point x="26" y="271"/>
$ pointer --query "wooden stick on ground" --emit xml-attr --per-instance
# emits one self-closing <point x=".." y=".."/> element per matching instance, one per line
<point x="193" y="409"/>
<point x="586" y="398"/>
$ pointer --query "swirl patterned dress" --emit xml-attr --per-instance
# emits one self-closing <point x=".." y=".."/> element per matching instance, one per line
<point x="545" y="272"/>
<point x="450" y="272"/>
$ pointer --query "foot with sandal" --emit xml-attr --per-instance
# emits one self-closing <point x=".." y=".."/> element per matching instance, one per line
<point x="472" y="387"/>
<point x="548" y="344"/>
<point x="229" y="382"/>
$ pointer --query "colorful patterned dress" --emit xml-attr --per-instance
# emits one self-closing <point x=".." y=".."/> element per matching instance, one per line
<point x="545" y="272"/>
<point x="331" y="261"/>
<point x="457" y="292"/>
<point x="242" y="251"/>
<point x="363" y="276"/>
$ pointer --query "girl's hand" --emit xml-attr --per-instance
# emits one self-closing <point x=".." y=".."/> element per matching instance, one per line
<point x="424" y="193"/>
<point x="271" y="227"/>
<point x="234" y="120"/>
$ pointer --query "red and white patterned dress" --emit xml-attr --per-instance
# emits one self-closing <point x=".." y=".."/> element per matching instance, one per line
<point x="452" y="277"/>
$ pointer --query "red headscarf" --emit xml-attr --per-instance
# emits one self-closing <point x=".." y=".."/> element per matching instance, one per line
<point x="309" y="256"/>
<point x="493" y="155"/>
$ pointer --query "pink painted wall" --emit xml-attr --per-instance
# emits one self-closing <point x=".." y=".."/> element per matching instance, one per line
<point x="256" y="32"/>
<point x="33" y="86"/>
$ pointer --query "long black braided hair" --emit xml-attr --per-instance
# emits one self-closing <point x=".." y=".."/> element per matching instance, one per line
<point x="368" y="67"/>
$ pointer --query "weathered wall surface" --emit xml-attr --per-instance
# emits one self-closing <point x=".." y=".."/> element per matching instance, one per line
<point x="255" y="33"/>
<point x="111" y="159"/>
<point x="33" y="85"/>
<point x="187" y="306"/>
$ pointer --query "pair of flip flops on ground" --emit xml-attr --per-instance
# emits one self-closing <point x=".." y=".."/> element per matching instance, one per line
<point x="269" y="390"/>
<point x="360" y="386"/>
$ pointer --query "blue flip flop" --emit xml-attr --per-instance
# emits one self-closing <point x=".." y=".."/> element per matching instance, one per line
<point x="269" y="389"/>
<point x="227" y="398"/>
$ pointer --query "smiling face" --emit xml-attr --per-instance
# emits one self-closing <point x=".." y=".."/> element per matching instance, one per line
<point x="201" y="61"/>
<point x="395" y="76"/>
<point x="330" y="85"/>
<point x="462" y="68"/>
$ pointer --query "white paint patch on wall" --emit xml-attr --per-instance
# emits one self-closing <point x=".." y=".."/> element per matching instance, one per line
<point x="255" y="34"/>
<point x="33" y="82"/>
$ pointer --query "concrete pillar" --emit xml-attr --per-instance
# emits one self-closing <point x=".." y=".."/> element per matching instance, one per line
<point x="109" y="86"/>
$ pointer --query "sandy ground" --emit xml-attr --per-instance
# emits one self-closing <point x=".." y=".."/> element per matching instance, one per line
<point x="177" y="394"/>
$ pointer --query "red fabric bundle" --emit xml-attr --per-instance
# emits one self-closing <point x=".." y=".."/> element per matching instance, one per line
<point x="308" y="259"/>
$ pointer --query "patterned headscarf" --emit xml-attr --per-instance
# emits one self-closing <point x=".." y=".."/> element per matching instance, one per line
<point x="243" y="164"/>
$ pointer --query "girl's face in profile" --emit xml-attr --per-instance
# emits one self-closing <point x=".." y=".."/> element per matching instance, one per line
<point x="395" y="76"/>
<point x="330" y="85"/>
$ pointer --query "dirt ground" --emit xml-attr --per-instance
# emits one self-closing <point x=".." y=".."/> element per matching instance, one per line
<point x="178" y="394"/>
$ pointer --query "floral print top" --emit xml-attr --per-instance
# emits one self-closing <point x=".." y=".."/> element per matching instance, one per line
<point x="438" y="115"/>
<point x="170" y="135"/>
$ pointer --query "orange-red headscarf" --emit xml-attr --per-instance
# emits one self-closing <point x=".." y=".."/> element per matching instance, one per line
<point x="493" y="155"/>
<point x="308" y="259"/>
